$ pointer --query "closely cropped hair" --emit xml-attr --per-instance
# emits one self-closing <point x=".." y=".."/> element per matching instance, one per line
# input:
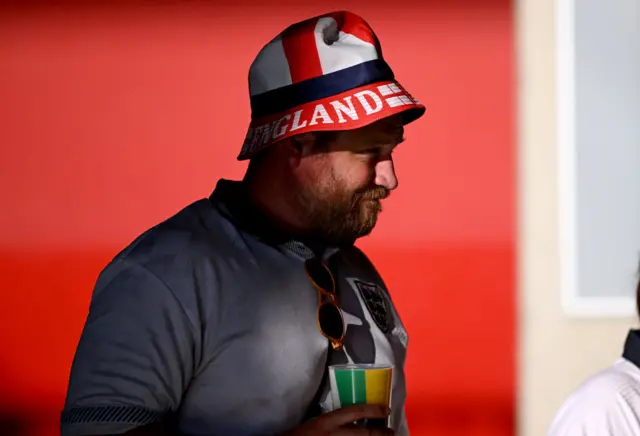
<point x="257" y="159"/>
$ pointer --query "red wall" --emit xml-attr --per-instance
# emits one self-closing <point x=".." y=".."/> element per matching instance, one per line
<point x="114" y="117"/>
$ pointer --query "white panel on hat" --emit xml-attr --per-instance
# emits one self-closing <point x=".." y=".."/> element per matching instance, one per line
<point x="344" y="50"/>
<point x="270" y="69"/>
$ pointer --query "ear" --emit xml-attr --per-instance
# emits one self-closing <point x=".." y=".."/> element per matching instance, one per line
<point x="298" y="147"/>
<point x="304" y="142"/>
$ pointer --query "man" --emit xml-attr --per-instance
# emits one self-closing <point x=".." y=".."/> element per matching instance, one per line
<point x="222" y="320"/>
<point x="608" y="403"/>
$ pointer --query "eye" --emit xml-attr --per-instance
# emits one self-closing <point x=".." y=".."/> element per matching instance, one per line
<point x="374" y="151"/>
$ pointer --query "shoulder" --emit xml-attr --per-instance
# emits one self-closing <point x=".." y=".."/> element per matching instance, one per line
<point x="181" y="256"/>
<point x="608" y="403"/>
<point x="193" y="229"/>
<point x="196" y="236"/>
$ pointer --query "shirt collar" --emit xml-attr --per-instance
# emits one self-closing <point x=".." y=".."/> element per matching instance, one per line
<point x="232" y="200"/>
<point x="632" y="347"/>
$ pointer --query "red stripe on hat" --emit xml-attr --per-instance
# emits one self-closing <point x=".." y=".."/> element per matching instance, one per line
<point x="299" y="43"/>
<point x="352" y="109"/>
<point x="354" y="25"/>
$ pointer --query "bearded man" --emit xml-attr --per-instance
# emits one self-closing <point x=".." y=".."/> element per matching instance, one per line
<point x="223" y="319"/>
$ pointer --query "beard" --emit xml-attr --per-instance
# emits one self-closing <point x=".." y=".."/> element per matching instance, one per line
<point x="338" y="215"/>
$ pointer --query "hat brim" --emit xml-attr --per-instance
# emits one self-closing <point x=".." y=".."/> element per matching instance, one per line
<point x="349" y="110"/>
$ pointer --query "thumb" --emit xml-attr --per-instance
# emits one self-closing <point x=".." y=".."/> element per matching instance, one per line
<point x="348" y="415"/>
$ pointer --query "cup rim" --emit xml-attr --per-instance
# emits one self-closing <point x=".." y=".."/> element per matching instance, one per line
<point x="362" y="366"/>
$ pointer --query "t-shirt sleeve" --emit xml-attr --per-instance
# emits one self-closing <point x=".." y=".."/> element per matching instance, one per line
<point x="135" y="356"/>
<point x="607" y="405"/>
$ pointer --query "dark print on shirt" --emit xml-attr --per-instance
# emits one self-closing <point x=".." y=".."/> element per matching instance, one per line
<point x="377" y="304"/>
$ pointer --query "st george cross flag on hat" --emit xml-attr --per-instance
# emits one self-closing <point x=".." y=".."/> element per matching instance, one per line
<point x="324" y="73"/>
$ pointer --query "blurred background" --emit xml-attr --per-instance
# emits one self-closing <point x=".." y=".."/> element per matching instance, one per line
<point x="115" y="115"/>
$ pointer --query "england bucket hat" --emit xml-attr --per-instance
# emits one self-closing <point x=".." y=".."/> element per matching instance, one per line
<point x="323" y="73"/>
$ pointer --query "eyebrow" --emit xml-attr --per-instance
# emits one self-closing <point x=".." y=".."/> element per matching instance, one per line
<point x="387" y="140"/>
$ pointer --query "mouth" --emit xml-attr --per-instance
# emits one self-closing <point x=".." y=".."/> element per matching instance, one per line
<point x="370" y="200"/>
<point x="376" y="194"/>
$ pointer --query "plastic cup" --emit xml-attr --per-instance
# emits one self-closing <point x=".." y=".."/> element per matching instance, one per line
<point x="358" y="384"/>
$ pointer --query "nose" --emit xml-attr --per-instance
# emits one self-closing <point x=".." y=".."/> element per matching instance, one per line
<point x="386" y="174"/>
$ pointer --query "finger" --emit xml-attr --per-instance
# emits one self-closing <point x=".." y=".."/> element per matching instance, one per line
<point x="349" y="415"/>
<point x="363" y="432"/>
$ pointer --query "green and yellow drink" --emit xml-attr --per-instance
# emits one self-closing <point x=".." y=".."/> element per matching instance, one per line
<point x="357" y="384"/>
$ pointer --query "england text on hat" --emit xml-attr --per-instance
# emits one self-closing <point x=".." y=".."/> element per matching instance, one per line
<point x="349" y="110"/>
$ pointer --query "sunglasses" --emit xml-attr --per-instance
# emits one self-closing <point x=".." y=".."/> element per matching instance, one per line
<point x="328" y="315"/>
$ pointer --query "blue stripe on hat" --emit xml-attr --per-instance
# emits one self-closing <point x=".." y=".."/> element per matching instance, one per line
<point x="281" y="99"/>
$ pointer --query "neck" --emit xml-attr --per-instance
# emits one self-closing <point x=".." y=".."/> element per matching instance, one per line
<point x="268" y="195"/>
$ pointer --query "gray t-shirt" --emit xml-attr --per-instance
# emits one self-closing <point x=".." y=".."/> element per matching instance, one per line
<point x="209" y="320"/>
